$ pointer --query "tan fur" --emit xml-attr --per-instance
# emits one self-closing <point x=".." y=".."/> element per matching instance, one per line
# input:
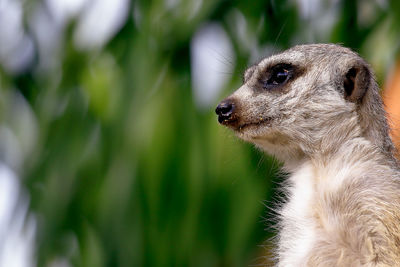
<point x="343" y="205"/>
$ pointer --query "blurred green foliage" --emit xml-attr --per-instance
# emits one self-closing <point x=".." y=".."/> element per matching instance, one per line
<point x="125" y="170"/>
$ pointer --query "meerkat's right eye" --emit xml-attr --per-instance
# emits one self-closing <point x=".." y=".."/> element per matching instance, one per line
<point x="279" y="75"/>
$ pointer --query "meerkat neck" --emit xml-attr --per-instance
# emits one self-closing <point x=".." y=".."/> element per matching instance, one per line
<point x="351" y="152"/>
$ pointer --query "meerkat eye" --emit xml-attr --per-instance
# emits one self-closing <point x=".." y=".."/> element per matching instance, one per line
<point x="279" y="75"/>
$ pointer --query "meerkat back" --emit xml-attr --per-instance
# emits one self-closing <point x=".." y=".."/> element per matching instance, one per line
<point x="317" y="109"/>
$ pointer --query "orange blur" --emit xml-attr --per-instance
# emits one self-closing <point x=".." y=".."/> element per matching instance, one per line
<point x="391" y="99"/>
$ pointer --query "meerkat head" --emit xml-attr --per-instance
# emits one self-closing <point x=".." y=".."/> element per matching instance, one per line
<point x="309" y="99"/>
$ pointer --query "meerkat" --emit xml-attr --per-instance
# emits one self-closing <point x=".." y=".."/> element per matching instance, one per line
<point x="317" y="109"/>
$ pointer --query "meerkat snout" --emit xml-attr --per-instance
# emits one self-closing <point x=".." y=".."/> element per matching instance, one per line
<point x="225" y="111"/>
<point x="317" y="109"/>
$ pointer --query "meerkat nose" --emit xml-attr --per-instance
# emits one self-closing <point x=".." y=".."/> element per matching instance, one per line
<point x="224" y="111"/>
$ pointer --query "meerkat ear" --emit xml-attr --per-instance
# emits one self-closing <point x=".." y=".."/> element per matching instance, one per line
<point x="356" y="82"/>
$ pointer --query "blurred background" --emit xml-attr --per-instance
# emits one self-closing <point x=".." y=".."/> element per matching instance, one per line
<point x="110" y="151"/>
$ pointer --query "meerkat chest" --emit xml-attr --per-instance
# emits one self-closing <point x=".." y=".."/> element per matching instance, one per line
<point x="298" y="226"/>
<point x="301" y="217"/>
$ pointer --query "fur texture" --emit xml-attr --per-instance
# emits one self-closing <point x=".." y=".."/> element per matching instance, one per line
<point x="327" y="124"/>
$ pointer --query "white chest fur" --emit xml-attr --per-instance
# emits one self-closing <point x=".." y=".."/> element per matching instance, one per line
<point x="297" y="233"/>
<point x="310" y="185"/>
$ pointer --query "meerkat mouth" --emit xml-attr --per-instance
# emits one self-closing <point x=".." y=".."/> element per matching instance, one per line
<point x="262" y="121"/>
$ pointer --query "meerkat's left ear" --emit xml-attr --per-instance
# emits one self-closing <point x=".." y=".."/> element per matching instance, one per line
<point x="356" y="82"/>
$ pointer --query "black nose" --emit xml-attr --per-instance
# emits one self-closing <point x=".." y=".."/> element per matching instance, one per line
<point x="224" y="111"/>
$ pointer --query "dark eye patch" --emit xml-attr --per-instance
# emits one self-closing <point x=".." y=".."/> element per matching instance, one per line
<point x="277" y="75"/>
